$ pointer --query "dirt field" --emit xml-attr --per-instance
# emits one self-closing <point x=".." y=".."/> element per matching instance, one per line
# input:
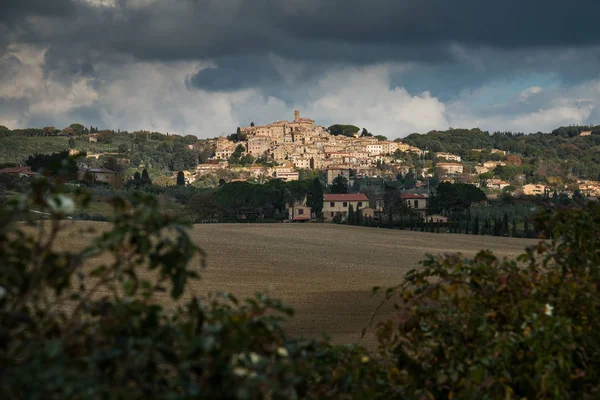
<point x="325" y="272"/>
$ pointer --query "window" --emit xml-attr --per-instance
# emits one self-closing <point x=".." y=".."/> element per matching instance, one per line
<point x="360" y="203"/>
<point x="300" y="211"/>
<point x="332" y="204"/>
<point x="345" y="204"/>
<point x="416" y="203"/>
<point x="331" y="214"/>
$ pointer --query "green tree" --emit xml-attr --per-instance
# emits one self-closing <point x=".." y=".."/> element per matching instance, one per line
<point x="180" y="179"/>
<point x="344" y="130"/>
<point x="381" y="138"/>
<point x="237" y="153"/>
<point x="339" y="185"/>
<point x="78" y="129"/>
<point x="146" y="177"/>
<point x="315" y="198"/>
<point x="113" y="164"/>
<point x="351" y="216"/>
<point x="72" y="143"/>
<point x="247" y="159"/>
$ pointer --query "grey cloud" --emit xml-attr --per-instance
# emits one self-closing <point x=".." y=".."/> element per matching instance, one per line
<point x="235" y="34"/>
<point x="192" y="29"/>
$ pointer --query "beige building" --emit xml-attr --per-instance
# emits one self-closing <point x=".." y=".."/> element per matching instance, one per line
<point x="450" y="168"/>
<point x="490" y="165"/>
<point x="96" y="175"/>
<point x="299" y="213"/>
<point x="334" y="172"/>
<point x="258" y="145"/>
<point x="286" y="172"/>
<point x="339" y="204"/>
<point x="497" y="184"/>
<point x="534" y="189"/>
<point x="448" y="156"/>
<point x="417" y="202"/>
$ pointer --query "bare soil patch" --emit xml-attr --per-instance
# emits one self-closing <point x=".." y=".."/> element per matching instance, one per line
<point x="325" y="272"/>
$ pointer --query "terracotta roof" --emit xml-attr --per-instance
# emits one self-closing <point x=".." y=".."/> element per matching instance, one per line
<point x="345" y="197"/>
<point x="17" y="170"/>
<point x="301" y="217"/>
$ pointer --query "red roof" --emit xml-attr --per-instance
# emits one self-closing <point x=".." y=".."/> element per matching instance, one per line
<point x="17" y="170"/>
<point x="302" y="217"/>
<point x="345" y="197"/>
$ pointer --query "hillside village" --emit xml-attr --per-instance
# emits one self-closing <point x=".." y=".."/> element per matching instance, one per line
<point x="300" y="150"/>
<point x="290" y="147"/>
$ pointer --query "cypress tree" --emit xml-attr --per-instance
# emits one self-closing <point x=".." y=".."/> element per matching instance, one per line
<point x="505" y="227"/>
<point x="146" y="178"/>
<point x="514" y="228"/>
<point x="476" y="225"/>
<point x="526" y="229"/>
<point x="180" y="179"/>
<point x="351" y="219"/>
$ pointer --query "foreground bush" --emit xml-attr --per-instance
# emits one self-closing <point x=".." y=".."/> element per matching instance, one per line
<point x="71" y="328"/>
<point x="493" y="328"/>
<point x="481" y="328"/>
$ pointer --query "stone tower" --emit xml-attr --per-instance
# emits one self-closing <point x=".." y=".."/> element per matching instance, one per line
<point x="296" y="116"/>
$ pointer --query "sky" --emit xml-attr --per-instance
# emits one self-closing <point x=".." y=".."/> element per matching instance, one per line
<point x="205" y="67"/>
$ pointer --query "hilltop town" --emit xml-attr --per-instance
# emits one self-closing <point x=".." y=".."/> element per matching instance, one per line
<point x="289" y="146"/>
<point x="284" y="148"/>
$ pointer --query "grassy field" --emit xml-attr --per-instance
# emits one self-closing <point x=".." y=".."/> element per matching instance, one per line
<point x="325" y="272"/>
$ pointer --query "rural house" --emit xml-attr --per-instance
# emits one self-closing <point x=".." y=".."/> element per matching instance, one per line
<point x="299" y="213"/>
<point x="95" y="175"/>
<point x="339" y="204"/>
<point x="417" y="202"/>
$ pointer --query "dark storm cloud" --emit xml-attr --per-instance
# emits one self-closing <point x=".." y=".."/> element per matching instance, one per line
<point x="235" y="34"/>
<point x="192" y="29"/>
<point x="232" y="73"/>
<point x="13" y="10"/>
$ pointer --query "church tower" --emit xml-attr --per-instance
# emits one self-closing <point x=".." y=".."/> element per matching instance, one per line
<point x="296" y="116"/>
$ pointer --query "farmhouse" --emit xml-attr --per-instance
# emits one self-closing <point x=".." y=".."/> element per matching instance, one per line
<point x="97" y="175"/>
<point x="339" y="204"/>
<point x="417" y="202"/>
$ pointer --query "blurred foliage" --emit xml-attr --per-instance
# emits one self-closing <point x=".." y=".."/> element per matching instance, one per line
<point x="503" y="329"/>
<point x="74" y="328"/>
